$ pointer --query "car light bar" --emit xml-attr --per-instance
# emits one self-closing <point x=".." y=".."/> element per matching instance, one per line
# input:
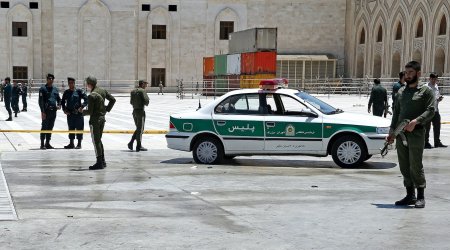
<point x="272" y="84"/>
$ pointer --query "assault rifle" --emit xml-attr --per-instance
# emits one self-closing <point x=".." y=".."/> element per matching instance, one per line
<point x="397" y="132"/>
<point x="386" y="110"/>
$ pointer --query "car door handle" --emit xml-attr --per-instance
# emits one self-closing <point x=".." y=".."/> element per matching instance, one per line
<point x="221" y="123"/>
<point x="270" y="124"/>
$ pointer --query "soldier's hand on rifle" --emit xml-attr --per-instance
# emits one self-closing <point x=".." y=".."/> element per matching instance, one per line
<point x="411" y="125"/>
<point x="43" y="115"/>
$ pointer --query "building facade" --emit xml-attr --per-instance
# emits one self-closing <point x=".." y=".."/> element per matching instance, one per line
<point x="386" y="34"/>
<point x="158" y="40"/>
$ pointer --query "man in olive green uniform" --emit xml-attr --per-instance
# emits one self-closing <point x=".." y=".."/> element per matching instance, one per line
<point x="415" y="103"/>
<point x="139" y="99"/>
<point x="378" y="97"/>
<point x="97" y="110"/>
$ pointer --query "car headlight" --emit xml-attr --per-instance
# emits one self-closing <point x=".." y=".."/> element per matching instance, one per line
<point x="383" y="130"/>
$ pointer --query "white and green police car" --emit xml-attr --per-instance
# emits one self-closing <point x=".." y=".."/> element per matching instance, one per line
<point x="274" y="121"/>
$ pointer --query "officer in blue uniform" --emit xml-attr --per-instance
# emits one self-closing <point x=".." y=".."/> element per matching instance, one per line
<point x="7" y="94"/>
<point x="15" y="98"/>
<point x="70" y="103"/>
<point x="49" y="103"/>
<point x="24" y="92"/>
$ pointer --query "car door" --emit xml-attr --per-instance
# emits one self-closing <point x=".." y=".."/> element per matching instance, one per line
<point x="239" y="121"/>
<point x="290" y="126"/>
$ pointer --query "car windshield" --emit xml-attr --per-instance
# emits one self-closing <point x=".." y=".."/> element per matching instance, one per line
<point x="318" y="104"/>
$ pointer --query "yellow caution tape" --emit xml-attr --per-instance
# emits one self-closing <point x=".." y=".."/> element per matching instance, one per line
<point x="153" y="132"/>
<point x="445" y="122"/>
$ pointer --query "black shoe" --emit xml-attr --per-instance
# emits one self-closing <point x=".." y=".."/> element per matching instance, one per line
<point x="70" y="146"/>
<point x="15" y="115"/>
<point x="439" y="145"/>
<point x="24" y="110"/>
<point x="43" y="147"/>
<point x="141" y="149"/>
<point x="98" y="165"/>
<point x="407" y="201"/>
<point x="420" y="203"/>
<point x="130" y="146"/>
<point x="48" y="146"/>
<point x="103" y="161"/>
<point x="427" y="145"/>
<point x="9" y="119"/>
<point x="78" y="146"/>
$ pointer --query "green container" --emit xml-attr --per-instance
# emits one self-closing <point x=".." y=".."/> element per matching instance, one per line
<point x="221" y="85"/>
<point x="220" y="65"/>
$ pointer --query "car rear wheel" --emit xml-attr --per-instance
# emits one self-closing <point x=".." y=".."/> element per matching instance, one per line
<point x="208" y="150"/>
<point x="349" y="151"/>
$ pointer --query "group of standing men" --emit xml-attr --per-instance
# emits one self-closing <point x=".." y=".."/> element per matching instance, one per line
<point x="10" y="94"/>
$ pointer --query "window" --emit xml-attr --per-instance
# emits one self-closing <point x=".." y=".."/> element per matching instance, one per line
<point x="158" y="75"/>
<point x="362" y="37"/>
<point x="380" y="34"/>
<point x="225" y="29"/>
<point x="4" y="5"/>
<point x="291" y="106"/>
<point x="146" y="7"/>
<point x="399" y="32"/>
<point x="443" y="26"/>
<point x="19" y="29"/>
<point x="34" y="5"/>
<point x="158" y="31"/>
<point x="20" y="73"/>
<point x="239" y="104"/>
<point x="172" y="8"/>
<point x="419" y="31"/>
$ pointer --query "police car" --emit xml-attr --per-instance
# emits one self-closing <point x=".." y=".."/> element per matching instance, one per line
<point x="273" y="120"/>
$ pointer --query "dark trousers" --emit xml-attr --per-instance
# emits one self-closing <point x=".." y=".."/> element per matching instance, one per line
<point x="8" y="107"/>
<point x="378" y="110"/>
<point x="15" y="104"/>
<point x="24" y="102"/>
<point x="48" y="124"/>
<point x="139" y="121"/>
<point x="436" y="121"/>
<point x="75" y="122"/>
<point x="96" y="125"/>
<point x="410" y="158"/>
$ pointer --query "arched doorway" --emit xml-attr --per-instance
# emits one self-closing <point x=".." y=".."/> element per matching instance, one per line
<point x="360" y="66"/>
<point x="396" y="67"/>
<point x="439" y="62"/>
<point x="377" y="66"/>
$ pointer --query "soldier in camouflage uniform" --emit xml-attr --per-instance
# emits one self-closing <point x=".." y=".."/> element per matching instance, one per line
<point x="378" y="97"/>
<point x="97" y="110"/>
<point x="415" y="103"/>
<point x="139" y="99"/>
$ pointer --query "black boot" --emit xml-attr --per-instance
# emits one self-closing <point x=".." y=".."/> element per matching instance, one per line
<point x="70" y="146"/>
<point x="140" y="148"/>
<point x="98" y="165"/>
<point x="410" y="198"/>
<point x="43" y="145"/>
<point x="78" y="144"/>
<point x="103" y="161"/>
<point x="420" y="203"/>
<point x="15" y="114"/>
<point x="9" y="119"/>
<point x="48" y="146"/>
<point x="130" y="144"/>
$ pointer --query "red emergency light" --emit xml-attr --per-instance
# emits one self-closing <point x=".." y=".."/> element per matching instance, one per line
<point x="272" y="84"/>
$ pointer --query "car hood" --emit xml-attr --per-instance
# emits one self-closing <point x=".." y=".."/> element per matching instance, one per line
<point x="357" y="119"/>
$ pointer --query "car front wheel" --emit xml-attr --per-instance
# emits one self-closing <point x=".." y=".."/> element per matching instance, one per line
<point x="208" y="150"/>
<point x="348" y="151"/>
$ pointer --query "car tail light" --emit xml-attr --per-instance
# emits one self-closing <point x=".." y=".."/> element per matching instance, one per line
<point x="171" y="126"/>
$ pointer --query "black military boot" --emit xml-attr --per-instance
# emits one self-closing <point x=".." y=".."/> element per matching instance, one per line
<point x="420" y="203"/>
<point x="140" y="148"/>
<point x="9" y="119"/>
<point x="410" y="198"/>
<point x="15" y="114"/>
<point x="98" y="165"/>
<point x="78" y="145"/>
<point x="103" y="161"/>
<point x="43" y="145"/>
<point x="48" y="146"/>
<point x="130" y="144"/>
<point x="70" y="146"/>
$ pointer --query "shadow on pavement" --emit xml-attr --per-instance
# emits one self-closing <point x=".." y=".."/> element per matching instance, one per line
<point x="392" y="206"/>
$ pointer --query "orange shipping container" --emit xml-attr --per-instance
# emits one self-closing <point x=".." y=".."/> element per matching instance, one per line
<point x="258" y="63"/>
<point x="208" y="66"/>
<point x="252" y="81"/>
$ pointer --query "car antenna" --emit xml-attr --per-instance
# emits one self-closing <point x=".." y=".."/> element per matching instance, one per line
<point x="199" y="104"/>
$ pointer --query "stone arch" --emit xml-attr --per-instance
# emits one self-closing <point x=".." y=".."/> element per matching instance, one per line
<point x="439" y="61"/>
<point x="398" y="35"/>
<point x="226" y="14"/>
<point x="417" y="56"/>
<point x="159" y="50"/>
<point x="442" y="30"/>
<point x="377" y="66"/>
<point x="420" y="14"/>
<point x="17" y="56"/>
<point x="379" y="33"/>
<point x="94" y="40"/>
<point x="396" y="64"/>
<point x="360" y="66"/>
<point x="441" y="17"/>
<point x="362" y="36"/>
